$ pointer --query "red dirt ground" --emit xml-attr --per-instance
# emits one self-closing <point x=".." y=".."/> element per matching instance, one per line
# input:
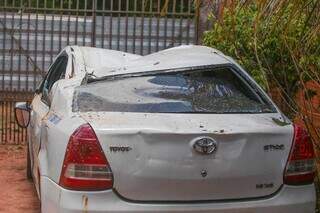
<point x="17" y="193"/>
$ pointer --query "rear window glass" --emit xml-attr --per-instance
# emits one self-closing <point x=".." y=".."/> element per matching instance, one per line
<point x="218" y="90"/>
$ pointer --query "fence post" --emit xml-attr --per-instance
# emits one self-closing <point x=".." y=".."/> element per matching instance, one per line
<point x="204" y="8"/>
<point x="93" y="26"/>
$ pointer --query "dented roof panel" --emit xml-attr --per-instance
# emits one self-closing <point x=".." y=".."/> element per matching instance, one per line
<point x="98" y="57"/>
<point x="173" y="58"/>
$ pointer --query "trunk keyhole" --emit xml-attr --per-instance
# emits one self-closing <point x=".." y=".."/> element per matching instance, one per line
<point x="204" y="173"/>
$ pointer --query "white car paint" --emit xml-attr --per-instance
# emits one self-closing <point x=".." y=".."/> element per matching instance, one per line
<point x="142" y="177"/>
<point x="177" y="57"/>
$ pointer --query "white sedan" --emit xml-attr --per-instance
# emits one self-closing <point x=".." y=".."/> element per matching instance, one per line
<point x="181" y="130"/>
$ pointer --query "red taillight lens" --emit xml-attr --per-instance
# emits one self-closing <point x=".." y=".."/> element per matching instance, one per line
<point x="300" y="167"/>
<point x="85" y="166"/>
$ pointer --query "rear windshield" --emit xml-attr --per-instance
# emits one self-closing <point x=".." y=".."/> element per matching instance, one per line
<point x="216" y="90"/>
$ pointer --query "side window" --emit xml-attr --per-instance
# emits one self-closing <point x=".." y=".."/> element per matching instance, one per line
<point x="56" y="72"/>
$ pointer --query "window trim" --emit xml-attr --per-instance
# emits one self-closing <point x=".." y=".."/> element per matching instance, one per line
<point x="40" y="90"/>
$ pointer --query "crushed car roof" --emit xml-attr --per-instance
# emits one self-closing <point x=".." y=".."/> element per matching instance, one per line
<point x="97" y="57"/>
<point x="173" y="58"/>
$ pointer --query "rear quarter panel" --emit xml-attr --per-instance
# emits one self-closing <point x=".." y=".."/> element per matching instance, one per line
<point x="55" y="139"/>
<point x="59" y="124"/>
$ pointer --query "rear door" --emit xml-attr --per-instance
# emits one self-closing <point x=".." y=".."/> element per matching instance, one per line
<point x="40" y="108"/>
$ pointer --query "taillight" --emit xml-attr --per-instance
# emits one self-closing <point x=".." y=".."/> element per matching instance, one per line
<point x="85" y="166"/>
<point x="300" y="167"/>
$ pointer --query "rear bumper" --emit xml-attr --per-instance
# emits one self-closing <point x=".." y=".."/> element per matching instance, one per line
<point x="290" y="199"/>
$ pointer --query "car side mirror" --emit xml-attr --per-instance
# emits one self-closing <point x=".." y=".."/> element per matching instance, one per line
<point x="37" y="91"/>
<point x="22" y="114"/>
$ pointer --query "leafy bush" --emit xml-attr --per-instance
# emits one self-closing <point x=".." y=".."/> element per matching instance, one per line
<point x="278" y="42"/>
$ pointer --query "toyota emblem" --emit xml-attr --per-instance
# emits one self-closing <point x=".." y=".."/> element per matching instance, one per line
<point x="205" y="145"/>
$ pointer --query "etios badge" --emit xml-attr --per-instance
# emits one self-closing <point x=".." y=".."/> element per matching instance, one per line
<point x="205" y="145"/>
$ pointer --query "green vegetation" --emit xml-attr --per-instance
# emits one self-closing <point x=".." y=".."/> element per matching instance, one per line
<point x="163" y="6"/>
<point x="278" y="42"/>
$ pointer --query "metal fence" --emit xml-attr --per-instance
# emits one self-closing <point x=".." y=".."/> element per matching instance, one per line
<point x="32" y="32"/>
<point x="10" y="132"/>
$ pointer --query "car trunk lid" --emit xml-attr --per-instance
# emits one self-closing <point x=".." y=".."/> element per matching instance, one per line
<point x="153" y="157"/>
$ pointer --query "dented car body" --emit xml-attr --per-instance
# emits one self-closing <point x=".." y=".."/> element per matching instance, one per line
<point x="182" y="130"/>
